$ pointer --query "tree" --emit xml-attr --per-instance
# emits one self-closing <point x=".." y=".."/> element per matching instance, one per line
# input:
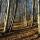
<point x="35" y="11"/>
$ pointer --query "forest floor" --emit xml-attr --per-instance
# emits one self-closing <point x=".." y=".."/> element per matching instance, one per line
<point x="29" y="33"/>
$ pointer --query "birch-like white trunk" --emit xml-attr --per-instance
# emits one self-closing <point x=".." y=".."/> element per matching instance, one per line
<point x="5" y="20"/>
<point x="25" y="21"/>
<point x="38" y="19"/>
